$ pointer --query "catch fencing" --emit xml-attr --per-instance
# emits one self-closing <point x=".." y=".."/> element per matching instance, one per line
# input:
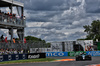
<point x="39" y="46"/>
<point x="28" y="47"/>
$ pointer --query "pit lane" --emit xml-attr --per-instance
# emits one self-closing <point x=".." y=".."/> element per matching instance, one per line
<point x="95" y="60"/>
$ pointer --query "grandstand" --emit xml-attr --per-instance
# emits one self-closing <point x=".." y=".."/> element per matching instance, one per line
<point x="10" y="21"/>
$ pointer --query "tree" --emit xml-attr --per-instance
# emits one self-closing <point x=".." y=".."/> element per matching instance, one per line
<point x="87" y="29"/>
<point x="35" y="39"/>
<point x="93" y="30"/>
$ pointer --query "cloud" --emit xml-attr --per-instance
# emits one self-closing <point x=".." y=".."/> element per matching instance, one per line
<point x="58" y="20"/>
<point x="46" y="5"/>
<point x="2" y="32"/>
<point x="47" y="35"/>
<point x="51" y="25"/>
<point x="93" y="6"/>
<point x="77" y="35"/>
<point x="67" y="17"/>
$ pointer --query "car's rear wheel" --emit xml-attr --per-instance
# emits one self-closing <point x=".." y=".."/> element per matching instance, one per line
<point x="88" y="57"/>
<point x="77" y="59"/>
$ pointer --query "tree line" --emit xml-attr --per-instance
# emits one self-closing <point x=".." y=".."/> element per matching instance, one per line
<point x="35" y="39"/>
<point x="93" y="31"/>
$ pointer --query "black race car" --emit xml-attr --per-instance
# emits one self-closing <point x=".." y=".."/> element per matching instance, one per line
<point x="83" y="57"/>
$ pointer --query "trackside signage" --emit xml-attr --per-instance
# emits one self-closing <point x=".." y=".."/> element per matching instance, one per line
<point x="22" y="56"/>
<point x="93" y="53"/>
<point x="33" y="56"/>
<point x="36" y="55"/>
<point x="1" y="58"/>
<point x="75" y="53"/>
<point x="12" y="57"/>
<point x="56" y="54"/>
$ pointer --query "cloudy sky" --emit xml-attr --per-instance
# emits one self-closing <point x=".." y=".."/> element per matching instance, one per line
<point x="59" y="20"/>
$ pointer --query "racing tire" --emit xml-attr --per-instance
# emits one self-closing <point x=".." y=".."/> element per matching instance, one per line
<point x="89" y="58"/>
<point x="77" y="59"/>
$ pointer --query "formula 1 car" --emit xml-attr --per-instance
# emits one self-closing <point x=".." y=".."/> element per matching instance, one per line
<point x="83" y="57"/>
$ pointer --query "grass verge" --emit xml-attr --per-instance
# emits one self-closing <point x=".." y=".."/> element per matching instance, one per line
<point x="28" y="61"/>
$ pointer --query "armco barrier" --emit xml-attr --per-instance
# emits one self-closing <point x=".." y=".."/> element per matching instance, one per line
<point x="93" y="53"/>
<point x="54" y="54"/>
<point x="22" y="56"/>
<point x="75" y="53"/>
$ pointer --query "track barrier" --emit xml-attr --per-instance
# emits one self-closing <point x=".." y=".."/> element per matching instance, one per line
<point x="71" y="54"/>
<point x="22" y="56"/>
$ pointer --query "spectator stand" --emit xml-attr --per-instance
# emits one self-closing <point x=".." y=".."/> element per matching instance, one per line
<point x="10" y="20"/>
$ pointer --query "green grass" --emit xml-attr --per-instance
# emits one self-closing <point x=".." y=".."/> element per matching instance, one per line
<point x="28" y="61"/>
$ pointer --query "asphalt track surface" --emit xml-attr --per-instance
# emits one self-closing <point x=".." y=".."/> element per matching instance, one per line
<point x="95" y="60"/>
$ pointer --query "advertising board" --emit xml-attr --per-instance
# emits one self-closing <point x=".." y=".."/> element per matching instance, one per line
<point x="86" y="44"/>
<point x="56" y="46"/>
<point x="36" y="55"/>
<point x="12" y="57"/>
<point x="56" y="54"/>
<point x="75" y="53"/>
<point x="22" y="56"/>
<point x="93" y="53"/>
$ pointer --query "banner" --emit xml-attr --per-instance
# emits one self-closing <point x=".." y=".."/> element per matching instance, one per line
<point x="56" y="54"/>
<point x="36" y="55"/>
<point x="93" y="53"/>
<point x="12" y="57"/>
<point x="22" y="56"/>
<point x="56" y="46"/>
<point x="75" y="53"/>
<point x="86" y="44"/>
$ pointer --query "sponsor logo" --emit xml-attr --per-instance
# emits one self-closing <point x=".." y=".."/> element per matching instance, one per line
<point x="74" y="53"/>
<point x="60" y="54"/>
<point x="94" y="53"/>
<point x="9" y="57"/>
<point x="33" y="56"/>
<point x="1" y="58"/>
<point x="23" y="56"/>
<point x="17" y="57"/>
<point x="55" y="54"/>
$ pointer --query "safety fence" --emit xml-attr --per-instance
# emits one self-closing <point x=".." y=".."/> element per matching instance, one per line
<point x="19" y="44"/>
<point x="20" y="47"/>
<point x="39" y="47"/>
